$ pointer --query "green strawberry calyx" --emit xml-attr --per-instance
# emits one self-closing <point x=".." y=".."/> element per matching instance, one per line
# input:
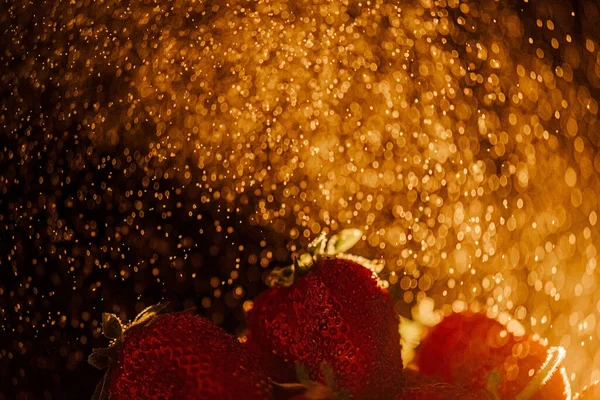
<point x="115" y="330"/>
<point x="323" y="247"/>
<point x="550" y="366"/>
<point x="315" y="390"/>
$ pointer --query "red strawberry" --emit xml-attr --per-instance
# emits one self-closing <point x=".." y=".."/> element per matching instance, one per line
<point x="591" y="392"/>
<point x="420" y="387"/>
<point x="441" y="391"/>
<point x="176" y="356"/>
<point x="478" y="352"/>
<point x="303" y="397"/>
<point x="335" y="315"/>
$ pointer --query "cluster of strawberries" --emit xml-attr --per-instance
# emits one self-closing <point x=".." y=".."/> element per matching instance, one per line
<point x="326" y="329"/>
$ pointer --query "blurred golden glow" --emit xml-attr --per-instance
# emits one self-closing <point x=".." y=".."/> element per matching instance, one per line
<point x="460" y="136"/>
<point x="464" y="149"/>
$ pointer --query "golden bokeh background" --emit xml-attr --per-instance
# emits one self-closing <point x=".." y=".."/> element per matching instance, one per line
<point x="461" y="136"/>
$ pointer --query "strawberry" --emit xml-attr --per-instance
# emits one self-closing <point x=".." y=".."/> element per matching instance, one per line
<point x="591" y="392"/>
<point x="472" y="350"/>
<point x="441" y="391"/>
<point x="175" y="356"/>
<point x="309" y="397"/>
<point x="420" y="387"/>
<point x="305" y="397"/>
<point x="329" y="312"/>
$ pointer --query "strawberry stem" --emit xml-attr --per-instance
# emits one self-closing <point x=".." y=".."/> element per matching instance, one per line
<point x="343" y="241"/>
<point x="113" y="329"/>
<point x="493" y="383"/>
<point x="321" y="247"/>
<point x="281" y="277"/>
<point x="311" y="389"/>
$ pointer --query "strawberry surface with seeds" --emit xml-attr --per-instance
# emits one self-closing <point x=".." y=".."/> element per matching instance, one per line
<point x="423" y="387"/>
<point x="335" y="314"/>
<point x="441" y="391"/>
<point x="180" y="356"/>
<point x="478" y="352"/>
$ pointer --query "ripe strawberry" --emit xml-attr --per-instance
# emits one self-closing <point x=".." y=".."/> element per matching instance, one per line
<point x="478" y="352"/>
<point x="420" y="387"/>
<point x="441" y="391"/>
<point x="334" y="315"/>
<point x="303" y="397"/>
<point x="175" y="356"/>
